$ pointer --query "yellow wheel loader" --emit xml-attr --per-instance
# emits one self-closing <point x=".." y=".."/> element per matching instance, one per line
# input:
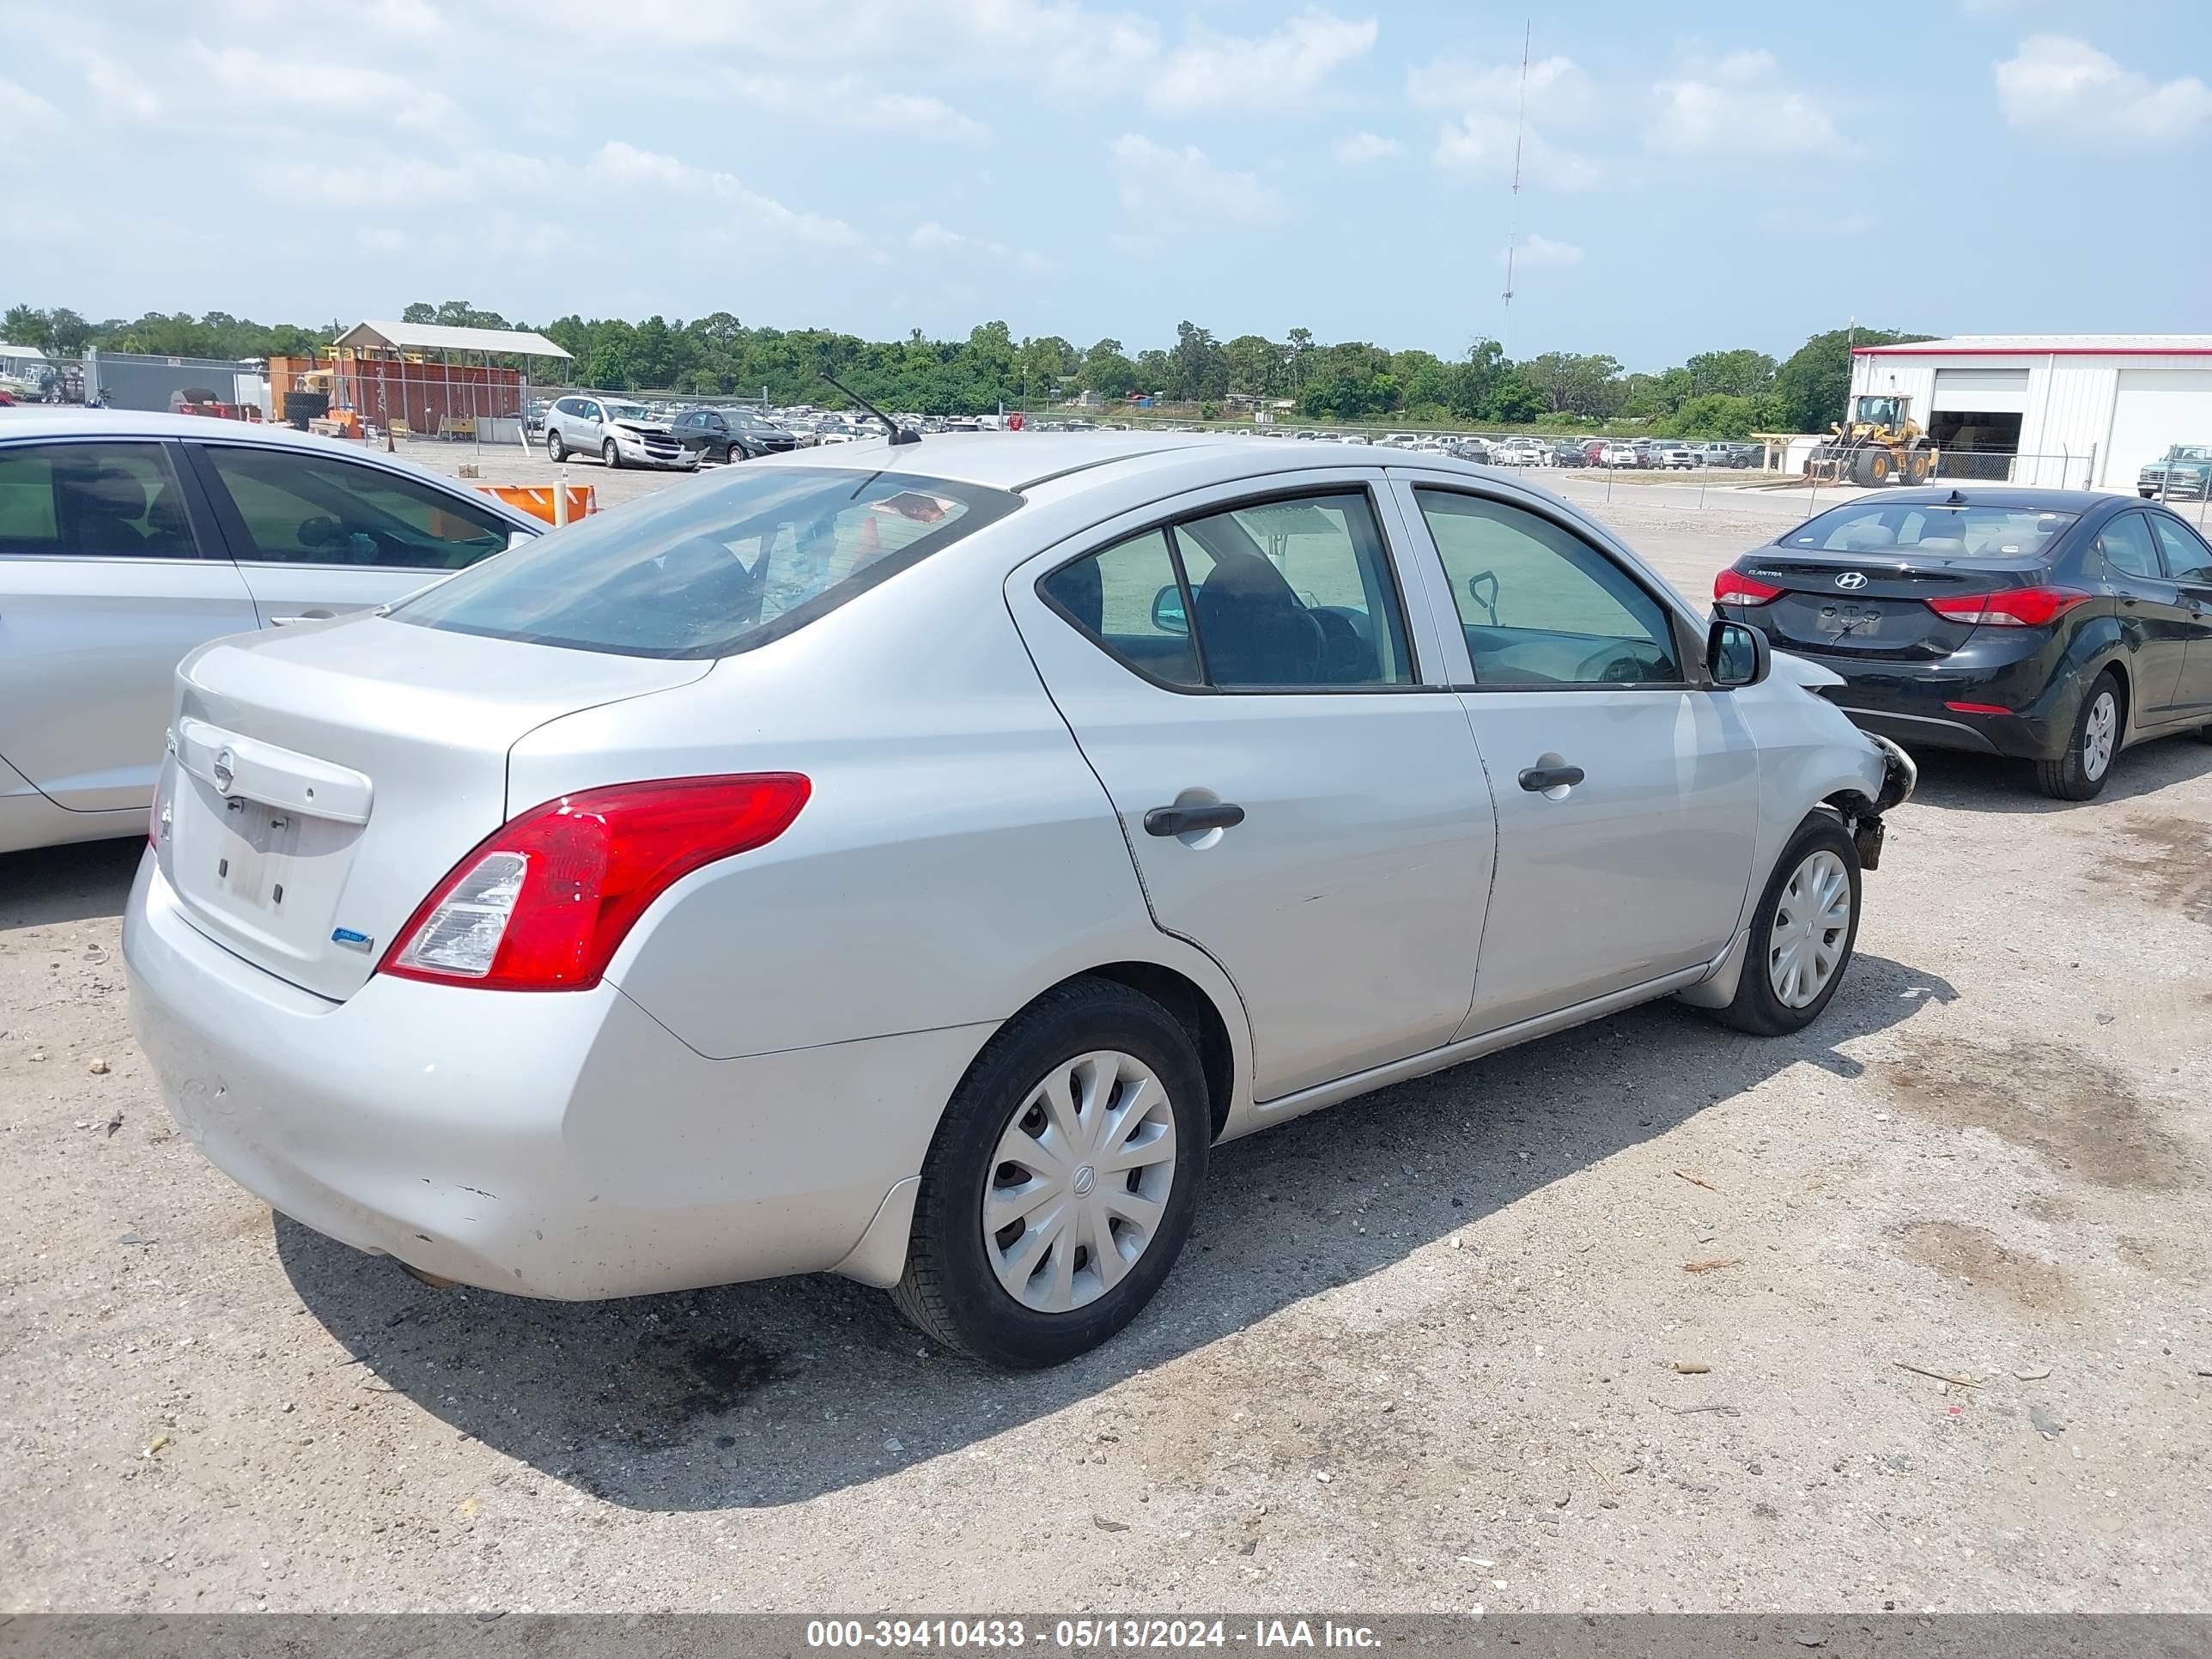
<point x="1881" y="443"/>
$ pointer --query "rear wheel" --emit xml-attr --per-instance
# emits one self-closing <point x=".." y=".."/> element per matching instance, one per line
<point x="1916" y="467"/>
<point x="555" y="449"/>
<point x="610" y="454"/>
<point x="1062" y="1180"/>
<point x="2081" y="772"/>
<point x="1802" y="935"/>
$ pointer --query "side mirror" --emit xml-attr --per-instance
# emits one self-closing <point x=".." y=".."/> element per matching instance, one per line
<point x="1736" y="653"/>
<point x="1168" y="612"/>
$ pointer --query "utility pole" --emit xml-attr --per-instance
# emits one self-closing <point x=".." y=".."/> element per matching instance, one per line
<point x="1513" y="232"/>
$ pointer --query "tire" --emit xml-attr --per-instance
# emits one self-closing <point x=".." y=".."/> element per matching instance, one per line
<point x="2082" y="771"/>
<point x="1803" y="875"/>
<point x="610" y="455"/>
<point x="1915" y="468"/>
<point x="952" y="1289"/>
<point x="555" y="450"/>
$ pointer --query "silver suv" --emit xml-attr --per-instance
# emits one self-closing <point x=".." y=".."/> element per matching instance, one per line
<point x="619" y="433"/>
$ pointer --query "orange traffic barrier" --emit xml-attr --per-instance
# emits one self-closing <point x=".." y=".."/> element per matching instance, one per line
<point x="540" y="501"/>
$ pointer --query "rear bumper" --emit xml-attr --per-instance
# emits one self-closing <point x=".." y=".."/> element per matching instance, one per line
<point x="561" y="1145"/>
<point x="1910" y="702"/>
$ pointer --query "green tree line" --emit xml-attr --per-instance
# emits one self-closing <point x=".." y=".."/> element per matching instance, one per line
<point x="1715" y="394"/>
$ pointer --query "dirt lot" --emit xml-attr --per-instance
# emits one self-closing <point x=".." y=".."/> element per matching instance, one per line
<point x="1626" y="1319"/>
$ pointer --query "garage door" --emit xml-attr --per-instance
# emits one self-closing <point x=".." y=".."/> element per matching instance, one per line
<point x="1995" y="390"/>
<point x="2157" y="408"/>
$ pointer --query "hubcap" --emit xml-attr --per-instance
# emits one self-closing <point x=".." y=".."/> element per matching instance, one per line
<point x="1079" y="1183"/>
<point x="1810" y="920"/>
<point x="2098" y="736"/>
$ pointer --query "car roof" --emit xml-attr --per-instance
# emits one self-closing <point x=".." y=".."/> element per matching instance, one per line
<point x="1969" y="494"/>
<point x="1023" y="461"/>
<point x="33" y="422"/>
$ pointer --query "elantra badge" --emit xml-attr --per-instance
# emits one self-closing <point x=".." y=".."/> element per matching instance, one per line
<point x="1853" y="579"/>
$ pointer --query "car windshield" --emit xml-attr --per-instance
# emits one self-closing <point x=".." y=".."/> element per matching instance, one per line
<point x="714" y="571"/>
<point x="626" y="412"/>
<point x="1963" y="532"/>
<point x="2190" y="453"/>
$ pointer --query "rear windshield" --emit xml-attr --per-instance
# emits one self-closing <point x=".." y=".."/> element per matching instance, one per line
<point x="1937" y="532"/>
<point x="711" y="570"/>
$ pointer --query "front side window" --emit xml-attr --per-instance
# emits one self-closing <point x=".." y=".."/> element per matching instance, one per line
<point x="1279" y="595"/>
<point x="113" y="500"/>
<point x="711" y="571"/>
<point x="1540" y="605"/>
<point x="313" y="509"/>
<point x="2125" y="545"/>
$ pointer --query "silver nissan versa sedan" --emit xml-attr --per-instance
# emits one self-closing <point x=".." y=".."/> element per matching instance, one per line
<point x="905" y="861"/>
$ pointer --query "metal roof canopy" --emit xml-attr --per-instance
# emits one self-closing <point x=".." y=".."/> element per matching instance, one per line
<point x="436" y="337"/>
<point x="2048" y="345"/>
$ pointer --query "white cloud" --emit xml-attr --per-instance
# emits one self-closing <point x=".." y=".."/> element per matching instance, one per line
<point x="1357" y="148"/>
<point x="307" y="87"/>
<point x="23" y="107"/>
<point x="1484" y="143"/>
<point x="1214" y="71"/>
<point x="1536" y="249"/>
<point x="1558" y="89"/>
<point x="1181" y="187"/>
<point x="930" y="237"/>
<point x="854" y="100"/>
<point x="1739" y="102"/>
<point x="2069" y="90"/>
<point x="626" y="165"/>
<point x="121" y="89"/>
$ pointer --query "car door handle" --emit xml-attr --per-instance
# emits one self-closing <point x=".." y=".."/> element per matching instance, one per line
<point x="1537" y="779"/>
<point x="304" y="615"/>
<point x="1187" y="820"/>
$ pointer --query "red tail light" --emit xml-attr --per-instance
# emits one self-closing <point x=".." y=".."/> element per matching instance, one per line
<point x="543" y="904"/>
<point x="1734" y="587"/>
<point x="2014" y="607"/>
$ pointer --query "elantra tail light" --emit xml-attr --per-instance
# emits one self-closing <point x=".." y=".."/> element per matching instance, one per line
<point x="1734" y="587"/>
<point x="543" y="904"/>
<point x="2014" y="607"/>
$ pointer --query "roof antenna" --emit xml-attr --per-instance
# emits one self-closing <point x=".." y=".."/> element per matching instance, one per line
<point x="1520" y="127"/>
<point x="900" y="435"/>
<point x="1954" y="499"/>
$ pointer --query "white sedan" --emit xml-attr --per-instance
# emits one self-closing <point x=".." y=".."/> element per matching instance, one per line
<point x="907" y="860"/>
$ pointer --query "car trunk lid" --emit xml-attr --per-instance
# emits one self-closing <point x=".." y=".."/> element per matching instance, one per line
<point x="326" y="779"/>
<point x="1845" y="605"/>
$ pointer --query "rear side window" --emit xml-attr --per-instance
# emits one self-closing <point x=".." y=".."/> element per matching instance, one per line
<point x="305" y="509"/>
<point x="713" y="570"/>
<point x="2187" y="558"/>
<point x="2125" y="545"/>
<point x="1276" y="596"/>
<point x="114" y="501"/>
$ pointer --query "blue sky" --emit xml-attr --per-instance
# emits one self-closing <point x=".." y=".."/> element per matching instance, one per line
<point x="1693" y="177"/>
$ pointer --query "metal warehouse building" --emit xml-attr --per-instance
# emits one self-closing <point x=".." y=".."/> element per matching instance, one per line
<point x="2063" y="410"/>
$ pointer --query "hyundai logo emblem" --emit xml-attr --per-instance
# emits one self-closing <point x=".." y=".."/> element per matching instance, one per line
<point x="223" y="763"/>
<point x="1852" y="579"/>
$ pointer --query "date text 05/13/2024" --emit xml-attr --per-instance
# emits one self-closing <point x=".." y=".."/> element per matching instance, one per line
<point x="1084" y="1635"/>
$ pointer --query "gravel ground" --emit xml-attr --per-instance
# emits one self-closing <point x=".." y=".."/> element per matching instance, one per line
<point x="1643" y="1316"/>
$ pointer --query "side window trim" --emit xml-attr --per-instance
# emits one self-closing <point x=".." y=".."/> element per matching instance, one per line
<point x="1688" y="648"/>
<point x="1371" y="488"/>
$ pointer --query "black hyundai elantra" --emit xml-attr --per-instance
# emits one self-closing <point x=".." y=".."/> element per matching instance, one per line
<point x="2056" y="626"/>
